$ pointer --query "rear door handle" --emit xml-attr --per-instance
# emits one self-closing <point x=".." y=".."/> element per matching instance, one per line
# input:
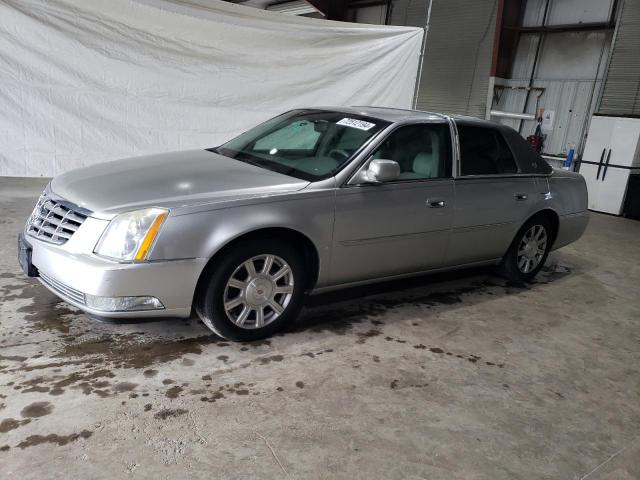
<point x="521" y="197"/>
<point x="436" y="203"/>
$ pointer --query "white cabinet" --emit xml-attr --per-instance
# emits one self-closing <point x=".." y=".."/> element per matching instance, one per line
<point x="611" y="155"/>
<point x="624" y="142"/>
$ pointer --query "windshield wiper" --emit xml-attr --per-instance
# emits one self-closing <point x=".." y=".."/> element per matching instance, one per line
<point x="236" y="155"/>
<point x="248" y="158"/>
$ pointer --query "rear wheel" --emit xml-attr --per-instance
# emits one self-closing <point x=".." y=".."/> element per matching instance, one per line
<point x="254" y="290"/>
<point x="529" y="250"/>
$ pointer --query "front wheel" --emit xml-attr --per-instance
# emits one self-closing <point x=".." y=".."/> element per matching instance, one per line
<point x="254" y="290"/>
<point x="529" y="250"/>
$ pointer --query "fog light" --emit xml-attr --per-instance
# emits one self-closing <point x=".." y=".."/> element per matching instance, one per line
<point x="123" y="304"/>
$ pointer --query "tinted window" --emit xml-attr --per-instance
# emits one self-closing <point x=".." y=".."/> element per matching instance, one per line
<point x="422" y="150"/>
<point x="483" y="151"/>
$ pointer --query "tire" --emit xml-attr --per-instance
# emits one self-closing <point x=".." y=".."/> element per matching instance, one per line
<point x="526" y="255"/>
<point x="272" y="303"/>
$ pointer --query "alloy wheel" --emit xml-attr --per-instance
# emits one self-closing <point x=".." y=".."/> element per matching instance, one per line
<point x="532" y="248"/>
<point x="258" y="291"/>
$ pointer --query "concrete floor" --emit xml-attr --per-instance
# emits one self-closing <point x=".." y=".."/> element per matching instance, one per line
<point x="458" y="376"/>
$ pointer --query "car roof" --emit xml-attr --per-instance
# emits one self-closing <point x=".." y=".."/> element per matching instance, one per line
<point x="400" y="114"/>
<point x="386" y="113"/>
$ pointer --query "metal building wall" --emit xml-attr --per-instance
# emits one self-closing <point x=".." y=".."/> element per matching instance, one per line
<point x="571" y="68"/>
<point x="412" y="13"/>
<point x="372" y="14"/>
<point x="458" y="53"/>
<point x="565" y="12"/>
<point x="621" y="92"/>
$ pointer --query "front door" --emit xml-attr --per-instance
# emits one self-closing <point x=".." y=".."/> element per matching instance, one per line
<point x="401" y="226"/>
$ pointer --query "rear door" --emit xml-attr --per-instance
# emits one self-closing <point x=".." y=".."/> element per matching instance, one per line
<point x="492" y="198"/>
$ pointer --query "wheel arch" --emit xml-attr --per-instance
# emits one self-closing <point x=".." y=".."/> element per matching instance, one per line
<point x="547" y="213"/>
<point x="295" y="237"/>
<point x="553" y="218"/>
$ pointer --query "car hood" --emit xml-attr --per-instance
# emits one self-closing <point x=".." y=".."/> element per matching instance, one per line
<point x="168" y="180"/>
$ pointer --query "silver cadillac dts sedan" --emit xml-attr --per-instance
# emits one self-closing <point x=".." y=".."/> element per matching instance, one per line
<point x="311" y="200"/>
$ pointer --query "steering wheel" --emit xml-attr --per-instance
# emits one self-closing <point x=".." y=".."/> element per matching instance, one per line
<point x="342" y="153"/>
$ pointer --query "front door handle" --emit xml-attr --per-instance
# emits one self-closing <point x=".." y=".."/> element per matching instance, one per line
<point x="436" y="203"/>
<point x="521" y="197"/>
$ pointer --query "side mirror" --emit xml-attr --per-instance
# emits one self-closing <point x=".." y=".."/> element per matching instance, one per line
<point x="380" y="171"/>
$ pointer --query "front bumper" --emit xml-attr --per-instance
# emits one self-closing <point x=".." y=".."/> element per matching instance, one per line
<point x="72" y="275"/>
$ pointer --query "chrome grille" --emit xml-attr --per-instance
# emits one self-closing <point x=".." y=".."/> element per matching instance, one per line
<point x="62" y="289"/>
<point x="54" y="221"/>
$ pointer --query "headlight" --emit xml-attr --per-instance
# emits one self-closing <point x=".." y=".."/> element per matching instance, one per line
<point x="130" y="236"/>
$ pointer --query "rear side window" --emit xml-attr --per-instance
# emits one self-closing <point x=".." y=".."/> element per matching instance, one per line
<point x="483" y="151"/>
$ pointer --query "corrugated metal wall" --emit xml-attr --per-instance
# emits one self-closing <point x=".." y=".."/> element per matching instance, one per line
<point x="565" y="12"/>
<point x="459" y="49"/>
<point x="374" y="14"/>
<point x="568" y="72"/>
<point x="570" y="68"/>
<point x="412" y="13"/>
<point x="621" y="93"/>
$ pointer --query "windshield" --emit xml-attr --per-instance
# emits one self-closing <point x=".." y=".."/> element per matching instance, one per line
<point x="306" y="144"/>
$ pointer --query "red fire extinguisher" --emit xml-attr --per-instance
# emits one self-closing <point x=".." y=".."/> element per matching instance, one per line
<point x="537" y="139"/>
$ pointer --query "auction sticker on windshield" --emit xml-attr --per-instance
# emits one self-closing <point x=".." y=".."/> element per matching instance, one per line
<point x="359" y="124"/>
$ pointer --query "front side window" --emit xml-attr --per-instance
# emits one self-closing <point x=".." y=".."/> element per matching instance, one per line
<point x="422" y="150"/>
<point x="306" y="144"/>
<point x="483" y="151"/>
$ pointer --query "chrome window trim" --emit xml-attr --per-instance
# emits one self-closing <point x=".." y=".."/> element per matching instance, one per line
<point x="400" y="183"/>
<point x="455" y="150"/>
<point x="501" y="176"/>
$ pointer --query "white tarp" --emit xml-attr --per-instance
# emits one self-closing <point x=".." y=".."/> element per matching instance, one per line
<point x="86" y="81"/>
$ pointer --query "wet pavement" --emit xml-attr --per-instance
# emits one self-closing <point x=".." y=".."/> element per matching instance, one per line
<point x="458" y="375"/>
